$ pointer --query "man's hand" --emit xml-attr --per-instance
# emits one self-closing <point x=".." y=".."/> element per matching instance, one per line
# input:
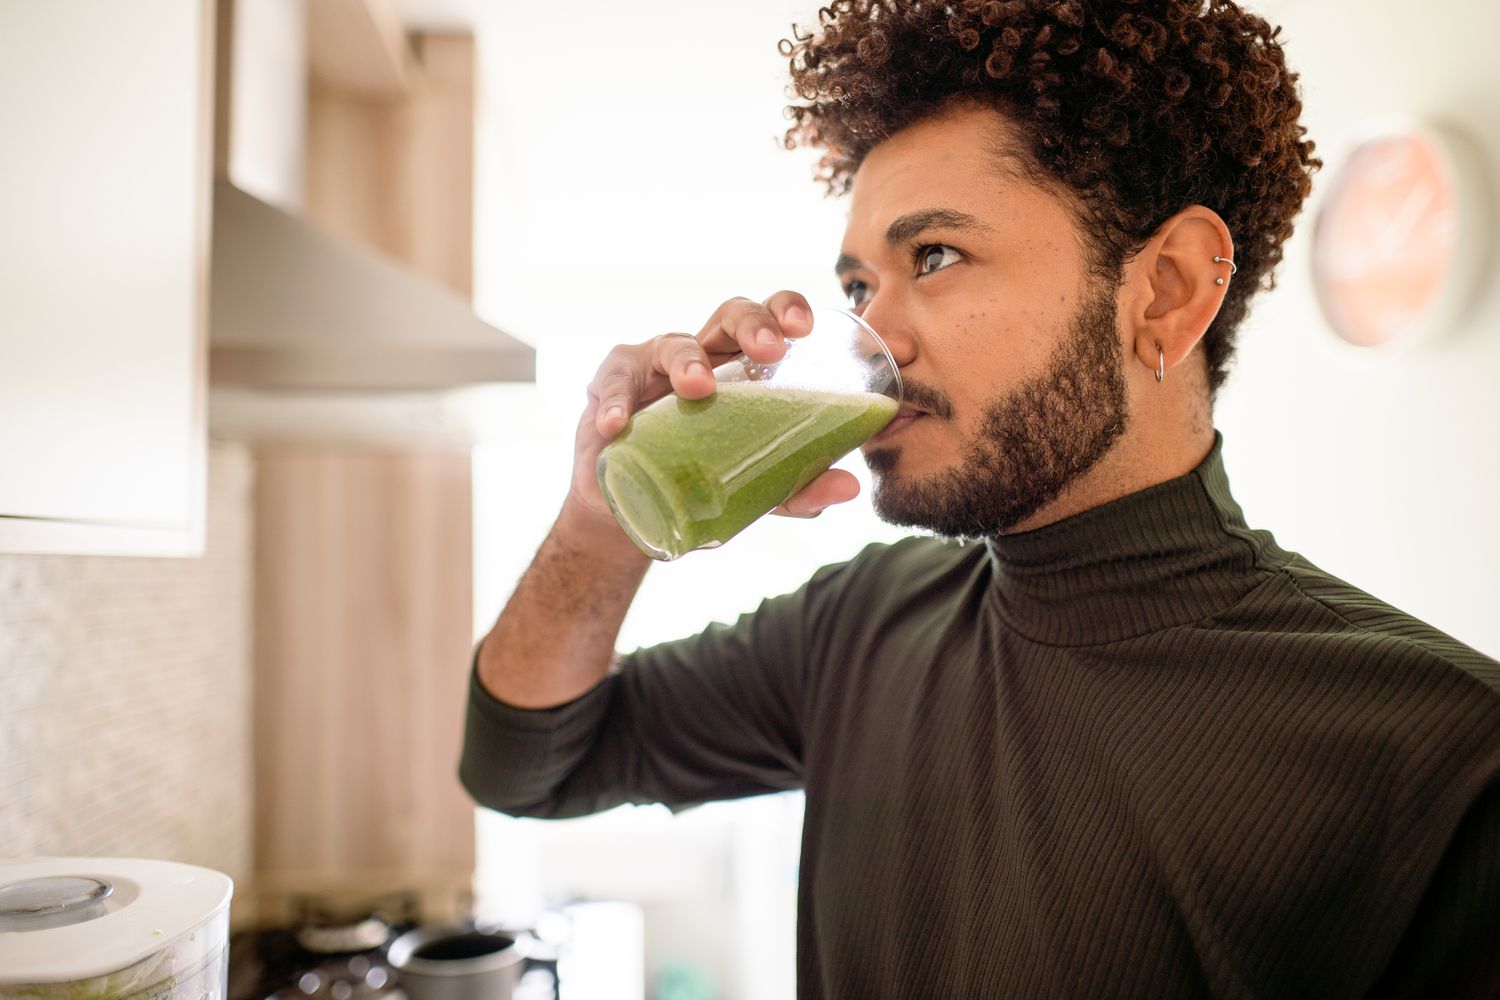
<point x="633" y="376"/>
<point x="555" y="639"/>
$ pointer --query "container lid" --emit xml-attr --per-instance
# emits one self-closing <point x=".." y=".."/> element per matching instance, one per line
<point x="64" y="919"/>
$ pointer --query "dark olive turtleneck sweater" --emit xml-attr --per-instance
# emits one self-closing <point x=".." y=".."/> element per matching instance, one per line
<point x="1141" y="752"/>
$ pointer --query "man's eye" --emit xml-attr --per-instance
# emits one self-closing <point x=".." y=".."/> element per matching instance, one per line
<point x="856" y="292"/>
<point x="936" y="257"/>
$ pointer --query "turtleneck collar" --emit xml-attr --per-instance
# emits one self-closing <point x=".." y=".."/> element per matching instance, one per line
<point x="1170" y="554"/>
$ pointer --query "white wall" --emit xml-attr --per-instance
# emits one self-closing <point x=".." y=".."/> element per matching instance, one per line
<point x="630" y="178"/>
<point x="1384" y="470"/>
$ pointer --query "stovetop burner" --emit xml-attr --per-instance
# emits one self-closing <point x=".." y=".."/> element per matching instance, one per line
<point x="327" y="954"/>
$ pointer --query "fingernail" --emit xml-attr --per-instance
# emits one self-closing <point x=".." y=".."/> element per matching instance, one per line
<point x="697" y="368"/>
<point x="614" y="413"/>
<point x="796" y="314"/>
<point x="765" y="337"/>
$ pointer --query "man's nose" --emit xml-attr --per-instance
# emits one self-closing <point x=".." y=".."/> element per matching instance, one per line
<point x="894" y="327"/>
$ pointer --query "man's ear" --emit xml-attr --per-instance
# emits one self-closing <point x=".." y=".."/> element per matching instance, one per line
<point x="1173" y="288"/>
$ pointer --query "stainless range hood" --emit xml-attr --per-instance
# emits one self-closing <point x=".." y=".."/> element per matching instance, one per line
<point x="312" y="338"/>
<point x="295" y="309"/>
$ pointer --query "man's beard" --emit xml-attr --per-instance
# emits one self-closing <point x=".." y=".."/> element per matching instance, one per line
<point x="1032" y="442"/>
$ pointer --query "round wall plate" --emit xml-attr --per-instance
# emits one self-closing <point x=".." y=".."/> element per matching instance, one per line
<point x="1401" y="244"/>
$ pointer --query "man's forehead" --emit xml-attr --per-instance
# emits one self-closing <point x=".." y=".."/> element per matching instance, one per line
<point x="964" y="159"/>
<point x="898" y="208"/>
<point x="962" y="136"/>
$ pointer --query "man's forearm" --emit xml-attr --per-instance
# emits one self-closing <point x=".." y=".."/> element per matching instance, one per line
<point x="555" y="639"/>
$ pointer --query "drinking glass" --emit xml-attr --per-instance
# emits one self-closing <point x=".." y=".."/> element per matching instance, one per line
<point x="690" y="474"/>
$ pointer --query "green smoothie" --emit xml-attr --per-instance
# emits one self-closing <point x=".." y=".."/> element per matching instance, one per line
<point x="690" y="474"/>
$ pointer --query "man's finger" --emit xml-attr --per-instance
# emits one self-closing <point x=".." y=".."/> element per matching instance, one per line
<point x="792" y="313"/>
<point x="832" y="487"/>
<point x="616" y="388"/>
<point x="687" y="366"/>
<point x="747" y="326"/>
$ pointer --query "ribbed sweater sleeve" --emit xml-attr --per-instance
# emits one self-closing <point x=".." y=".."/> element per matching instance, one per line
<point x="515" y="760"/>
<point x="718" y="715"/>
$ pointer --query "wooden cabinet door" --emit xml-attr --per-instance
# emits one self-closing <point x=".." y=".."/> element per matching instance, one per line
<point x="106" y="121"/>
<point x="364" y="611"/>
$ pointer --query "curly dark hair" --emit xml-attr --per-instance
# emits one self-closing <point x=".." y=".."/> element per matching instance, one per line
<point x="1136" y="109"/>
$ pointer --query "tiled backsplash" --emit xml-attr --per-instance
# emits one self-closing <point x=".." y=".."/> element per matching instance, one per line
<point x="125" y="717"/>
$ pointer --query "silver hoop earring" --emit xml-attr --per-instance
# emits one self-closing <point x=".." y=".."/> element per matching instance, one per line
<point x="1233" y="268"/>
<point x="1161" y="364"/>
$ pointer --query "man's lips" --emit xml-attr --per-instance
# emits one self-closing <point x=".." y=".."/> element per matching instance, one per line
<point x="899" y="422"/>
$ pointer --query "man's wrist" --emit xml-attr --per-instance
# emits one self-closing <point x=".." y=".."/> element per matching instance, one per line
<point x="579" y="528"/>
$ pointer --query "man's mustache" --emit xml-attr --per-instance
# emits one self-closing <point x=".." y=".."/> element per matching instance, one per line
<point x="924" y="397"/>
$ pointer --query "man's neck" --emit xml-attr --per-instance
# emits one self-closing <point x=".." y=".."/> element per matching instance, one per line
<point x="1141" y="459"/>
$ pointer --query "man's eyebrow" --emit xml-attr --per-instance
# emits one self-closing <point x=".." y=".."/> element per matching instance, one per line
<point x="913" y="223"/>
<point x="908" y="226"/>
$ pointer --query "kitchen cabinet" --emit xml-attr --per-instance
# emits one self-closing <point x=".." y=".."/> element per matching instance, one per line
<point x="106" y="119"/>
<point x="364" y="614"/>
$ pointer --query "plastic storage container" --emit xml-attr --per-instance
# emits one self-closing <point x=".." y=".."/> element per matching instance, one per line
<point x="112" y="929"/>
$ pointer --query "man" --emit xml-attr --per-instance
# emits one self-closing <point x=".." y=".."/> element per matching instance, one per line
<point x="1127" y="746"/>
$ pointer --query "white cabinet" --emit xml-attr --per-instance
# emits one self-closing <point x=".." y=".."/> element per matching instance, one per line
<point x="106" y="124"/>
